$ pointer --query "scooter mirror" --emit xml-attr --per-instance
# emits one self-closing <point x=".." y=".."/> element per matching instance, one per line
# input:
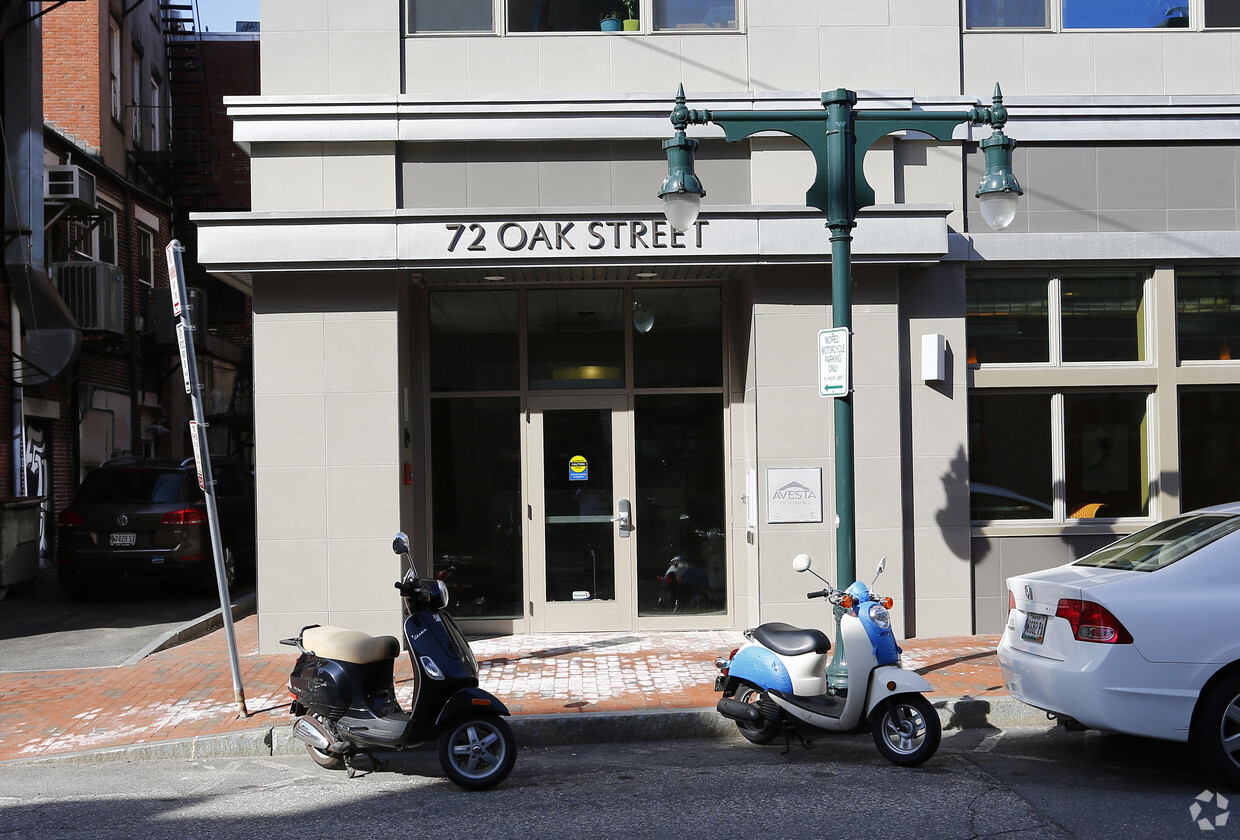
<point x="882" y="566"/>
<point x="801" y="563"/>
<point x="400" y="545"/>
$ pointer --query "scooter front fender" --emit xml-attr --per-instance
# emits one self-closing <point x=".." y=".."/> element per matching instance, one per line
<point x="471" y="700"/>
<point x="888" y="680"/>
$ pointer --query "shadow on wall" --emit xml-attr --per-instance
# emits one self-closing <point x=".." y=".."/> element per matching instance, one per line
<point x="956" y="491"/>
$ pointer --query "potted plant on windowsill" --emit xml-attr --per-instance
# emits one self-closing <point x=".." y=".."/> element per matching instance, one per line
<point x="610" y="22"/>
<point x="631" y="23"/>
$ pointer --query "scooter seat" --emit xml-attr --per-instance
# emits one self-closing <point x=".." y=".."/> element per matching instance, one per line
<point x="349" y="645"/>
<point x="789" y="640"/>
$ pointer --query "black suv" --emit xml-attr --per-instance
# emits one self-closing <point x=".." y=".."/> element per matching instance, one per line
<point x="138" y="519"/>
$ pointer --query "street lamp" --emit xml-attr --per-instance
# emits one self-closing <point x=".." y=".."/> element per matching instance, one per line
<point x="839" y="136"/>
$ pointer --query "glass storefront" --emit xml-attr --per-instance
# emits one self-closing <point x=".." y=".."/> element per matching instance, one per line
<point x="553" y="393"/>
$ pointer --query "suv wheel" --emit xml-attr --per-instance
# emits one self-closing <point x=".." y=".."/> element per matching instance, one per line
<point x="208" y="585"/>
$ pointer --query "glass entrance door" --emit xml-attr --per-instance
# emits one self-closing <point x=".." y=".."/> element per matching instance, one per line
<point x="581" y="514"/>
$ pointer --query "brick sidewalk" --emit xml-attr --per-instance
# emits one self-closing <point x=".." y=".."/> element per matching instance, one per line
<point x="187" y="691"/>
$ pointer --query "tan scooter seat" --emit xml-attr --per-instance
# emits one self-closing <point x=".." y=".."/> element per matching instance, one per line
<point x="349" y="645"/>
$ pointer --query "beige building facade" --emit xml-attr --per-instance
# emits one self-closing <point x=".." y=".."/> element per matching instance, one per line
<point x="472" y="323"/>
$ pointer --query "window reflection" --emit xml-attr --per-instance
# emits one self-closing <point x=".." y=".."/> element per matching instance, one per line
<point x="1007" y="320"/>
<point x="1103" y="319"/>
<point x="473" y="341"/>
<point x="682" y="343"/>
<point x="1207" y="310"/>
<point x="456" y="16"/>
<point x="476" y="501"/>
<point x="576" y="338"/>
<point x="1006" y="14"/>
<point x="1209" y="447"/>
<point x="1010" y="456"/>
<point x="681" y="557"/>
<point x="695" y="14"/>
<point x="1106" y="454"/>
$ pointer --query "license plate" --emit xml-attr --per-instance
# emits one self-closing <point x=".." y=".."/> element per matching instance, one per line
<point x="123" y="538"/>
<point x="720" y="682"/>
<point x="1035" y="628"/>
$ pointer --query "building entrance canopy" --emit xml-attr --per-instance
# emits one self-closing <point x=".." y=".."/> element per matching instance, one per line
<point x="470" y="242"/>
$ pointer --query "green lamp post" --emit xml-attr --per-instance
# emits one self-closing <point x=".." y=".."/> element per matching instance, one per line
<point x="839" y="136"/>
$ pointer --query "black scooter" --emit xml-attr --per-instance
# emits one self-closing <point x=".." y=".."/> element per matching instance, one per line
<point x="345" y="695"/>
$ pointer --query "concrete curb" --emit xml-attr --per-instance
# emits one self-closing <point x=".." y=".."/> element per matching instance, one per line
<point x="196" y="628"/>
<point x="539" y="731"/>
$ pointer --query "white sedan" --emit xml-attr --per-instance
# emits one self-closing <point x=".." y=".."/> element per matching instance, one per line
<point x="1141" y="637"/>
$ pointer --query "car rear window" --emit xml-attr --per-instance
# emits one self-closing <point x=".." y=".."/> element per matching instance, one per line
<point x="122" y="486"/>
<point x="1161" y="545"/>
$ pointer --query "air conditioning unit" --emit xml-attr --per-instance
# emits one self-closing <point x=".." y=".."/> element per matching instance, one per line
<point x="68" y="183"/>
<point x="94" y="293"/>
<point x="163" y="324"/>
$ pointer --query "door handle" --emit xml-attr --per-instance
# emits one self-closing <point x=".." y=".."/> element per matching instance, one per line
<point x="624" y="517"/>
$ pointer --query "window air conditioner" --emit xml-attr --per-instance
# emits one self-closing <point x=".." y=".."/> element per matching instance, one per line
<point x="68" y="183"/>
<point x="94" y="293"/>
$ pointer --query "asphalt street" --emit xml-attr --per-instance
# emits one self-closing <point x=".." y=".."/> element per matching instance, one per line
<point x="1041" y="783"/>
<point x="44" y="630"/>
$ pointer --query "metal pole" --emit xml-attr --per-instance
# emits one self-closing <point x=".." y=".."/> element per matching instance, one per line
<point x="202" y="456"/>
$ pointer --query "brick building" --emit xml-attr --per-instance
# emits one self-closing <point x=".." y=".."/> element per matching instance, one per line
<point x="109" y="112"/>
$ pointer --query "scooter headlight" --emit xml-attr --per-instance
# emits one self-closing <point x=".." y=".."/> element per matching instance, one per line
<point x="880" y="616"/>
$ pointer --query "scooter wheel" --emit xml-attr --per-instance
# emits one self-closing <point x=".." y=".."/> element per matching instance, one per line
<point x="755" y="733"/>
<point x="323" y="758"/>
<point x="477" y="753"/>
<point x="907" y="730"/>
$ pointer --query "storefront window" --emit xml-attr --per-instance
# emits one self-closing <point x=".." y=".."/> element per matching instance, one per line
<point x="681" y="556"/>
<point x="456" y="16"/>
<point x="1209" y="447"/>
<point x="1106" y="455"/>
<point x="1207" y="313"/>
<point x="1222" y="13"/>
<point x="576" y="338"/>
<point x="476" y="499"/>
<point x="677" y="338"/>
<point x="473" y="341"/>
<point x="1103" y="319"/>
<point x="695" y="14"/>
<point x="1007" y="320"/>
<point x="1010" y="460"/>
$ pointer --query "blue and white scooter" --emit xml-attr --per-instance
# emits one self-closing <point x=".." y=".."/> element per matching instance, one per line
<point x="776" y="684"/>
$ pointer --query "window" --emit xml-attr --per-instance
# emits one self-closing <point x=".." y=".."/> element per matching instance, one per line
<point x="476" y="499"/>
<point x="1057" y="451"/>
<point x="1055" y="319"/>
<point x="695" y="14"/>
<point x="153" y="111"/>
<point x="1209" y="446"/>
<point x="146" y="258"/>
<point x="1101" y="14"/>
<point x="135" y="99"/>
<point x="114" y="67"/>
<point x="576" y="338"/>
<point x="1008" y="320"/>
<point x="512" y="16"/>
<point x="473" y="341"/>
<point x="457" y="16"/>
<point x="105" y="235"/>
<point x="1015" y="464"/>
<point x="677" y="337"/>
<point x="1207" y="314"/>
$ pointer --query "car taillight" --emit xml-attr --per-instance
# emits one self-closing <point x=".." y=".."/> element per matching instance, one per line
<point x="187" y="516"/>
<point x="1011" y="601"/>
<point x="71" y="520"/>
<point x="1093" y="622"/>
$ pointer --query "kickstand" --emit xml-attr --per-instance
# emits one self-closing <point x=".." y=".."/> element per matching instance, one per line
<point x="788" y="742"/>
<point x="353" y="772"/>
